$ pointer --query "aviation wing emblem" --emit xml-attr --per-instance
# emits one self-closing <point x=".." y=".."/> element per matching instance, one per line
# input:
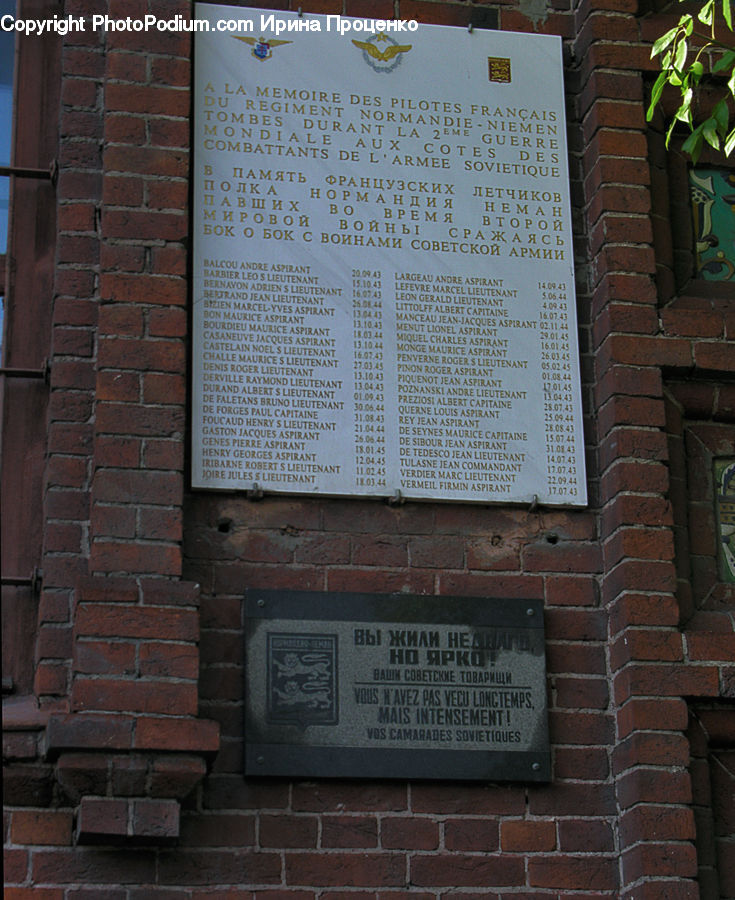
<point x="382" y="55"/>
<point x="382" y="59"/>
<point x="262" y="48"/>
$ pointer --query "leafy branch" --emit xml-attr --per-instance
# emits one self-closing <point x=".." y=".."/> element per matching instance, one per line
<point x="679" y="69"/>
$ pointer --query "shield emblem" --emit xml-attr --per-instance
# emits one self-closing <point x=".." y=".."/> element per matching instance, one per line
<point x="302" y="679"/>
<point x="262" y="50"/>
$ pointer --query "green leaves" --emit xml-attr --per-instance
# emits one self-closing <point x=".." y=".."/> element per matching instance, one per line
<point x="676" y="47"/>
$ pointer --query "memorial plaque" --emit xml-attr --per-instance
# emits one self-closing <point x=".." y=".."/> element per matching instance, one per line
<point x="383" y="264"/>
<point x="395" y="686"/>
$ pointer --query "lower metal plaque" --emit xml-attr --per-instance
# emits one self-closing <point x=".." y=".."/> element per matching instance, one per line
<point x="395" y="686"/>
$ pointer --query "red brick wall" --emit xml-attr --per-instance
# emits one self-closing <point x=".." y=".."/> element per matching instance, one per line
<point x="140" y="624"/>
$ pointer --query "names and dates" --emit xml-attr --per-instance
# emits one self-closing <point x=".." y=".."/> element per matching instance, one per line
<point x="383" y="296"/>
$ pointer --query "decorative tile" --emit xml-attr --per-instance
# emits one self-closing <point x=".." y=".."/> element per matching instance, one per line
<point x="713" y="208"/>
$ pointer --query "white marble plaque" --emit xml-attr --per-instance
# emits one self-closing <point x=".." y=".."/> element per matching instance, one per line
<point x="383" y="272"/>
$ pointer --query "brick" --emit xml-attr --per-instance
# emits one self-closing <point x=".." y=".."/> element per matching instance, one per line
<point x="585" y="835"/>
<point x="102" y="816"/>
<point x="710" y="646"/>
<point x="586" y="872"/>
<point x="528" y="837"/>
<point x="155" y="819"/>
<point x="217" y="830"/>
<point x="663" y="680"/>
<point x="164" y="454"/>
<point x="348" y="797"/>
<point x="672" y="890"/>
<point x="575" y="658"/>
<point x="372" y="580"/>
<point x="169" y="593"/>
<point x="387" y="550"/>
<point x="646" y="644"/>
<point x="640" y="350"/>
<point x="657" y="823"/>
<point x="148" y="161"/>
<point x="27" y="785"/>
<point x="121" y="320"/>
<point x="579" y="728"/>
<point x="575" y="624"/>
<point x="172" y="660"/>
<point x="632" y="509"/>
<point x="15" y="865"/>
<point x="123" y="287"/>
<point x="642" y="785"/>
<point x="148" y="225"/>
<point x="458" y="870"/>
<point x="183" y="735"/>
<point x="63" y="538"/>
<point x="581" y="763"/>
<point x="456" y="799"/>
<point x="105" y="694"/>
<point x="160" y="524"/>
<point x="662" y="860"/>
<point x="414" y="833"/>
<point x="563" y="590"/>
<point x="209" y="867"/>
<point x="639" y="575"/>
<point x="47" y="827"/>
<point x="33" y="893"/>
<point x="87" y="865"/>
<point x="167" y="321"/>
<point x="572" y="800"/>
<point x="113" y="557"/>
<point x="288" y="831"/>
<point x="662" y="714"/>
<point x="143" y="356"/>
<point x="123" y="190"/>
<point x="112" y="521"/>
<point x="491" y="585"/>
<point x="77" y="374"/>
<point x="634" y="476"/>
<point x="22" y="745"/>
<point x="125" y="258"/>
<point x="563" y="556"/>
<point x="469" y="834"/>
<point x="581" y="693"/>
<point x="104" y="658"/>
<point x="349" y="831"/>
<point x="654" y="749"/>
<point x="717" y="356"/>
<point x="146" y="99"/>
<point x="436" y="552"/>
<point x="176" y="776"/>
<point x="126" y="486"/>
<point x="100" y="619"/>
<point x="171" y="195"/>
<point x="639" y="543"/>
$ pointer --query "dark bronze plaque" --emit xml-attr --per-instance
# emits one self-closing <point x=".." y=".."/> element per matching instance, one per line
<point x="395" y="686"/>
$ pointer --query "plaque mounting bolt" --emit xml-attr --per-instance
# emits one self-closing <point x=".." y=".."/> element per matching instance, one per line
<point x="261" y="602"/>
<point x="397" y="499"/>
<point x="260" y="760"/>
<point x="536" y="767"/>
<point x="529" y="611"/>
<point x="255" y="492"/>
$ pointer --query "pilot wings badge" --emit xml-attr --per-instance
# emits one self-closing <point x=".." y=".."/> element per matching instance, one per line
<point x="382" y="58"/>
<point x="262" y="48"/>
